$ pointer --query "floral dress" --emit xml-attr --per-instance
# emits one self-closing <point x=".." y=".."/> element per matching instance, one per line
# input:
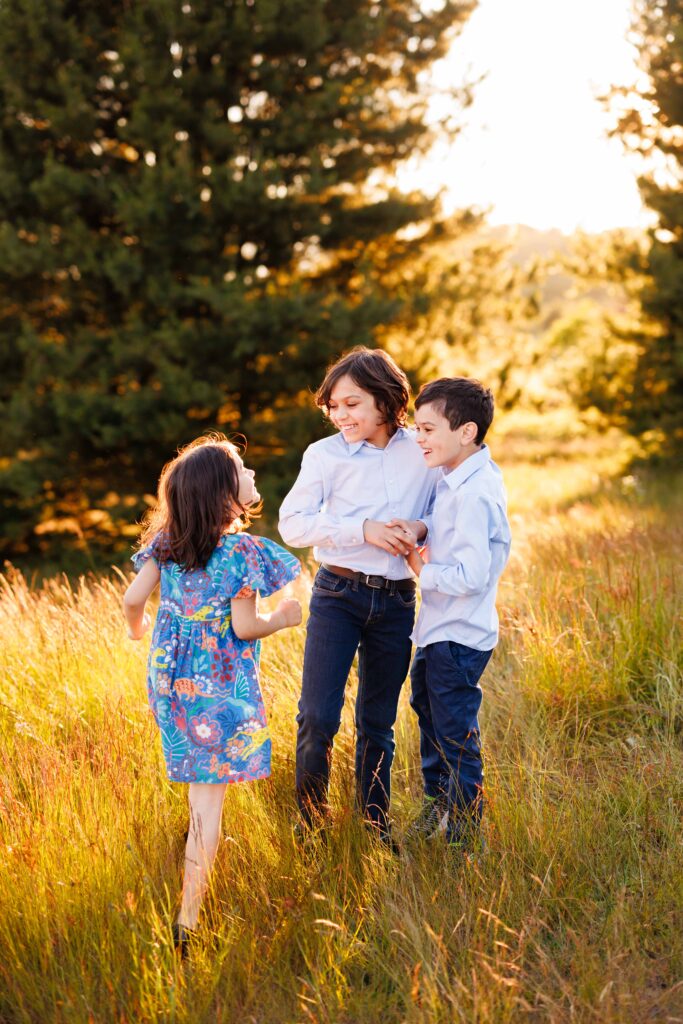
<point x="202" y="680"/>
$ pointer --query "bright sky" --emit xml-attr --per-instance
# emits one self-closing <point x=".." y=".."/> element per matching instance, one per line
<point x="534" y="147"/>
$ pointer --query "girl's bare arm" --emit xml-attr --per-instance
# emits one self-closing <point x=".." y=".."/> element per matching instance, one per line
<point x="135" y="599"/>
<point x="249" y="624"/>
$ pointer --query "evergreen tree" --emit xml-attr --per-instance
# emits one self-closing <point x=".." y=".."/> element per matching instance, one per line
<point x="653" y="125"/>
<point x="185" y="220"/>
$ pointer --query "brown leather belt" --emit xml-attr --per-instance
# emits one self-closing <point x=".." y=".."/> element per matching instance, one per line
<point x="375" y="582"/>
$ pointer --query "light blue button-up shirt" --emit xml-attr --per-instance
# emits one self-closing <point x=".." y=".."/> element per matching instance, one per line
<point x="469" y="544"/>
<point x="341" y="485"/>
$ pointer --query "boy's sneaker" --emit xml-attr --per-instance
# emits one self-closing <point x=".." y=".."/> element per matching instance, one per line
<point x="430" y="821"/>
<point x="465" y="841"/>
<point x="183" y="938"/>
<point x="384" y="837"/>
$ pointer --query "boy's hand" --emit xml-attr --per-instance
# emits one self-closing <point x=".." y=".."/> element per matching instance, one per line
<point x="144" y="626"/>
<point x="390" y="538"/>
<point x="415" y="561"/>
<point x="414" y="526"/>
<point x="290" y="610"/>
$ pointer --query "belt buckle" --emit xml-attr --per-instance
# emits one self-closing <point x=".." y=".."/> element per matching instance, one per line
<point x="377" y="585"/>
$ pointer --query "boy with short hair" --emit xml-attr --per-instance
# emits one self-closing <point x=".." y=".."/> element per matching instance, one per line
<point x="457" y="628"/>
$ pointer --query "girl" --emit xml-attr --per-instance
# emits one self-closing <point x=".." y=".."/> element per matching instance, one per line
<point x="203" y="665"/>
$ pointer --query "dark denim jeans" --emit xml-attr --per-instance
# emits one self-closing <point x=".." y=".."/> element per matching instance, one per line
<point x="446" y="697"/>
<point x="346" y="616"/>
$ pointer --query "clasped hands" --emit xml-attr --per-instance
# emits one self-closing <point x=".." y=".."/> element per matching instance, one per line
<point x="398" y="537"/>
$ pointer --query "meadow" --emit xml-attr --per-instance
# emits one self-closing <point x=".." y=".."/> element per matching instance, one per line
<point x="574" y="915"/>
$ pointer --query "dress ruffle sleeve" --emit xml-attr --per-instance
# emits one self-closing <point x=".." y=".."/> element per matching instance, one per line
<point x="256" y="564"/>
<point x="144" y="554"/>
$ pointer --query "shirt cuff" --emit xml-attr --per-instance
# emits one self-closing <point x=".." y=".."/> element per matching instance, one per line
<point x="350" y="534"/>
<point x="429" y="577"/>
<point x="426" y="521"/>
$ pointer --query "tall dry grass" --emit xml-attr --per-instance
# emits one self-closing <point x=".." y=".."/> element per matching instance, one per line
<point x="575" y="913"/>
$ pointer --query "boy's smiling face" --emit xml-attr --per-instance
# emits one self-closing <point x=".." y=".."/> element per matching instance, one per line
<point x="440" y="444"/>
<point x="355" y="415"/>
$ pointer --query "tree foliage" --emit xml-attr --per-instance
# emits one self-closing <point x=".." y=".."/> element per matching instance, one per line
<point x="468" y="310"/>
<point x="189" y="194"/>
<point x="652" y="124"/>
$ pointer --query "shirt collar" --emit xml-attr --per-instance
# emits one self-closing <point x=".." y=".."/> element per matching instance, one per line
<point x="353" y="448"/>
<point x="466" y="469"/>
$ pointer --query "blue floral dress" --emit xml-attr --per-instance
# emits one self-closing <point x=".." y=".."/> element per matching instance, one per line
<point x="202" y="680"/>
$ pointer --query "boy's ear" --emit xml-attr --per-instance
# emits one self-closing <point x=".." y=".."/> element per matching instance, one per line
<point x="469" y="432"/>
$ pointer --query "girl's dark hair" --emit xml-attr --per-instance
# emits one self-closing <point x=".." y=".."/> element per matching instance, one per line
<point x="374" y="371"/>
<point x="197" y="502"/>
<point x="460" y="400"/>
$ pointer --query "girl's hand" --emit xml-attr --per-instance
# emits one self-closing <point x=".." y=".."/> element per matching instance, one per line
<point x="144" y="626"/>
<point x="290" y="611"/>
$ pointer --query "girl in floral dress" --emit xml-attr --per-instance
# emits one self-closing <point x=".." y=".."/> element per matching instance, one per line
<point x="202" y="678"/>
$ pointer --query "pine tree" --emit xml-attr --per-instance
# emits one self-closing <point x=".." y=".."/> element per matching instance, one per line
<point x="184" y="222"/>
<point x="653" y="125"/>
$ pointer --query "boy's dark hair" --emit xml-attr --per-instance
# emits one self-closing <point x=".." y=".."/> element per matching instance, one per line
<point x="197" y="501"/>
<point x="374" y="371"/>
<point x="460" y="400"/>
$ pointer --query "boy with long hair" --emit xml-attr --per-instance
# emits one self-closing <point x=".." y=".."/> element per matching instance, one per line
<point x="349" y="487"/>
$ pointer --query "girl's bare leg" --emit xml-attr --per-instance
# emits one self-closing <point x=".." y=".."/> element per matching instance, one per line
<point x="206" y="808"/>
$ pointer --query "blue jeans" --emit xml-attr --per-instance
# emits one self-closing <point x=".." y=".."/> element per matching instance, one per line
<point x="446" y="696"/>
<point x="346" y="616"/>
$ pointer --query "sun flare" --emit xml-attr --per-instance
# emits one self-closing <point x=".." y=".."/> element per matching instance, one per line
<point x="534" y="147"/>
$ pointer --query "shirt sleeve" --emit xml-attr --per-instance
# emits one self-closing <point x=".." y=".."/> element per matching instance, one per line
<point x="303" y="521"/>
<point x="469" y="563"/>
<point x="429" y="507"/>
<point x="257" y="565"/>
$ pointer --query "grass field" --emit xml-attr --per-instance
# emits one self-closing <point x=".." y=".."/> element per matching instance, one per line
<point x="575" y="914"/>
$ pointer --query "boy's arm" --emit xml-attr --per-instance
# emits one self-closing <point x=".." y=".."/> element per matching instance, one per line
<point x="135" y="599"/>
<point x="420" y="527"/>
<point x="426" y="518"/>
<point x="302" y="523"/>
<point x="469" y="560"/>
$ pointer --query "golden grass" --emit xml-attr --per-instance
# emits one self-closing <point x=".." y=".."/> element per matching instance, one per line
<point x="574" y="915"/>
